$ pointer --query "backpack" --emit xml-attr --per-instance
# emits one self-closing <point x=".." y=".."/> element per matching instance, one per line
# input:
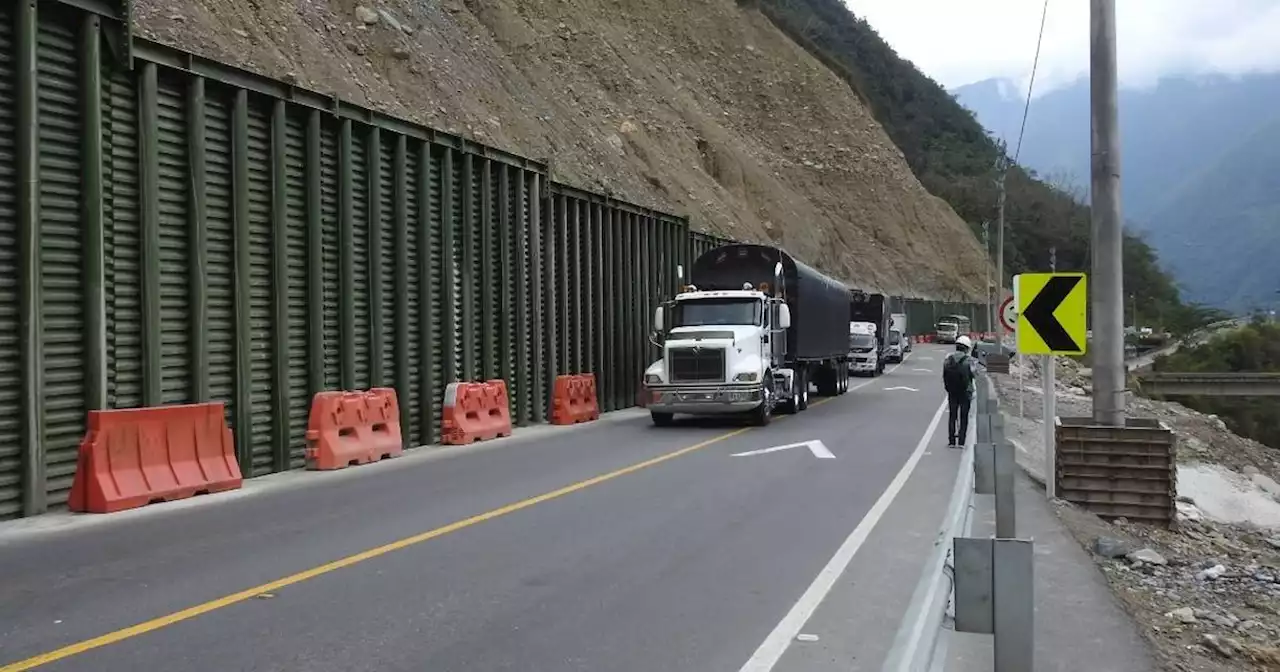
<point x="956" y="373"/>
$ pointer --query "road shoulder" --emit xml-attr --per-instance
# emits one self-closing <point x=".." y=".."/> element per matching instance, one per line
<point x="1078" y="623"/>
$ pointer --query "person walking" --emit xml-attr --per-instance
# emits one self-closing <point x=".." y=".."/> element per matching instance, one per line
<point x="958" y="379"/>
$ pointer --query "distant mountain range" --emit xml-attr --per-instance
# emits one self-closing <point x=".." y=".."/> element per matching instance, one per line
<point x="1200" y="171"/>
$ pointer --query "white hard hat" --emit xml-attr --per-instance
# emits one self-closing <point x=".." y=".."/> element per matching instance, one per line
<point x="964" y="342"/>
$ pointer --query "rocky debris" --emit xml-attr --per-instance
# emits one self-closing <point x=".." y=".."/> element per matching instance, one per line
<point x="1206" y="592"/>
<point x="1147" y="556"/>
<point x="562" y="76"/>
<point x="1108" y="547"/>
<point x="366" y="16"/>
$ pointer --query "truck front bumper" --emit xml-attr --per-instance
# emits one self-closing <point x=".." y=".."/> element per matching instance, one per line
<point x="859" y="365"/>
<point x="704" y="399"/>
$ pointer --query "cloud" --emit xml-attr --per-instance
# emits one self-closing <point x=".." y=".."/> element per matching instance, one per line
<point x="961" y="42"/>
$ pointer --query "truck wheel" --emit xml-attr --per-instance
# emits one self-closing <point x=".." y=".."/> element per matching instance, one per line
<point x="761" y="415"/>
<point x="662" y="419"/>
<point x="802" y="393"/>
<point x="844" y="380"/>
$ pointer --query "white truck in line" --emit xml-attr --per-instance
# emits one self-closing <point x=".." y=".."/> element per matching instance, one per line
<point x="748" y="337"/>
<point x="868" y="333"/>
<point x="897" y="344"/>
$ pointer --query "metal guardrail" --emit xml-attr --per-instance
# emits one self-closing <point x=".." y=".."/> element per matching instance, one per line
<point x="975" y="585"/>
<point x="1211" y="384"/>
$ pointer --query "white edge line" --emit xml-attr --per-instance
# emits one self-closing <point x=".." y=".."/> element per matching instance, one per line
<point x="771" y="650"/>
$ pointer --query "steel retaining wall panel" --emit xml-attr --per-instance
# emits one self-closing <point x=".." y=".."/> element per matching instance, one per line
<point x="434" y="256"/>
<point x="471" y="270"/>
<point x="60" y="254"/>
<point x="415" y="398"/>
<point x="454" y="261"/>
<point x="506" y="236"/>
<point x="261" y="324"/>
<point x="492" y="272"/>
<point x="599" y="297"/>
<point x="219" y="276"/>
<point x="575" y="286"/>
<point x="429" y="259"/>
<point x="298" y="308"/>
<point x="330" y="267"/>
<point x="386" y="316"/>
<point x="11" y="445"/>
<point x="522" y="396"/>
<point x="360" y="291"/>
<point x="124" y="309"/>
<point x="552" y="284"/>
<point x="173" y="195"/>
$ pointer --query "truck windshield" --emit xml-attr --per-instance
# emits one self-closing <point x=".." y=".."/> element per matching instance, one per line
<point x="861" y="340"/>
<point x="895" y="337"/>
<point x="703" y="312"/>
<point x="947" y="326"/>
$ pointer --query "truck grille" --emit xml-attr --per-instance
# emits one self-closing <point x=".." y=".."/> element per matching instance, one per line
<point x="697" y="365"/>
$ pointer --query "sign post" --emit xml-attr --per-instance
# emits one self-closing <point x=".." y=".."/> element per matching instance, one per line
<point x="1051" y="321"/>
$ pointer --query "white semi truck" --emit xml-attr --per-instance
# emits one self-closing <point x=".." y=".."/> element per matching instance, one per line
<point x="748" y="336"/>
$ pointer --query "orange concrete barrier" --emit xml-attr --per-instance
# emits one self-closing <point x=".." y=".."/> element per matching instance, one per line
<point x="351" y="428"/>
<point x="137" y="456"/>
<point x="475" y="412"/>
<point x="573" y="399"/>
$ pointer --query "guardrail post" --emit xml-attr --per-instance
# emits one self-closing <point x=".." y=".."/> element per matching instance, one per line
<point x="995" y="595"/>
<point x="1004" y="466"/>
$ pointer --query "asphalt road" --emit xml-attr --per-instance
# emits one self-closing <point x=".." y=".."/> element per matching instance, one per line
<point x="611" y="546"/>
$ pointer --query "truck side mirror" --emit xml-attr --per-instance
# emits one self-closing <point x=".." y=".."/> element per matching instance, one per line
<point x="657" y="319"/>
<point x="784" y="316"/>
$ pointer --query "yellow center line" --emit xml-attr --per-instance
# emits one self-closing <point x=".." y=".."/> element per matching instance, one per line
<point x="248" y="593"/>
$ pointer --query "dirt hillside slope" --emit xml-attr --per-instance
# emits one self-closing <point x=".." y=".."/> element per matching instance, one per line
<point x="699" y="108"/>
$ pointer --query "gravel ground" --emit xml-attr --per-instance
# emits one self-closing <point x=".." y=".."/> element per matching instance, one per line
<point x="1206" y="593"/>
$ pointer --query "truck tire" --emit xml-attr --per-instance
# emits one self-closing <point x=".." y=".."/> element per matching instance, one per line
<point x="762" y="415"/>
<point x="844" y="379"/>
<point x="829" y="381"/>
<point x="662" y="419"/>
<point x="802" y="392"/>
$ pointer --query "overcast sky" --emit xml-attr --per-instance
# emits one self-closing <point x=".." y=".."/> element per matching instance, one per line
<point x="962" y="41"/>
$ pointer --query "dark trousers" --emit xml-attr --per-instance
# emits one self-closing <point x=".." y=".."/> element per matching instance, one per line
<point x="959" y="410"/>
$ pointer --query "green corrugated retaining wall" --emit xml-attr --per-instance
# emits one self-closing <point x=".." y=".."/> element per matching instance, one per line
<point x="175" y="230"/>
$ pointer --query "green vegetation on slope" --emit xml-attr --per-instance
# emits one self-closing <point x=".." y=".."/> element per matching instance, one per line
<point x="954" y="157"/>
<point x="1252" y="348"/>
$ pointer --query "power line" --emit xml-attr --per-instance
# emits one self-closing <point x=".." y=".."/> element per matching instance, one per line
<point x="1035" y="62"/>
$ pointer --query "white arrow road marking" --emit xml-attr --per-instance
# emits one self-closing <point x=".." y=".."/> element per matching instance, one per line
<point x="900" y="387"/>
<point x="818" y="449"/>
<point x="925" y="370"/>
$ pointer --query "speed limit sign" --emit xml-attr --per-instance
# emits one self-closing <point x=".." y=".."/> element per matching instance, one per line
<point x="1009" y="314"/>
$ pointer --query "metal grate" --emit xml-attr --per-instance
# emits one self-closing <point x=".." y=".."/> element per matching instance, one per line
<point x="697" y="365"/>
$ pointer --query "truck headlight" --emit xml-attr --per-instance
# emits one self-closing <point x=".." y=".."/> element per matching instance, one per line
<point x="746" y="377"/>
<point x="652" y="379"/>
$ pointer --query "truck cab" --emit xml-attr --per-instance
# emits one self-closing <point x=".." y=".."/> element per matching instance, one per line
<point x="716" y="351"/>
<point x="946" y="331"/>
<point x="894" y="346"/>
<point x="864" y="351"/>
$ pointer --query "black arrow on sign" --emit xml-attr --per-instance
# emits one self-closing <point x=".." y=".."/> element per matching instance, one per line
<point x="1039" y="314"/>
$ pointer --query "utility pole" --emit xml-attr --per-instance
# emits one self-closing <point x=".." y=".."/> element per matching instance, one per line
<point x="1002" y="169"/>
<point x="1049" y="409"/>
<point x="991" y="299"/>
<point x="1108" y="281"/>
